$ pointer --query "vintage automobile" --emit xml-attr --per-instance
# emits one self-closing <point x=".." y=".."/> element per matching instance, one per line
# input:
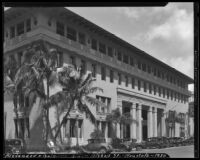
<point x="188" y="141"/>
<point x="152" y="142"/>
<point x="96" y="145"/>
<point x="121" y="144"/>
<point x="14" y="146"/>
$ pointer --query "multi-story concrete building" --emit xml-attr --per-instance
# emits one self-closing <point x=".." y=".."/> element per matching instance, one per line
<point x="132" y="80"/>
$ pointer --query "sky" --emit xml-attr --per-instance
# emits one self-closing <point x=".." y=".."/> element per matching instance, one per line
<point x="165" y="33"/>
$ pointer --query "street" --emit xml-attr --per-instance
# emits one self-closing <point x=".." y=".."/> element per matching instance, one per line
<point x="173" y="152"/>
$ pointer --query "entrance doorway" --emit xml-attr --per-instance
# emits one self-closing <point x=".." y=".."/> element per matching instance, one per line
<point x="144" y="124"/>
<point x="126" y="108"/>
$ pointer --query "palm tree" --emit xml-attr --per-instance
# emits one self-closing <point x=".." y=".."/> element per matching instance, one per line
<point x="117" y="118"/>
<point x="76" y="93"/>
<point x="38" y="69"/>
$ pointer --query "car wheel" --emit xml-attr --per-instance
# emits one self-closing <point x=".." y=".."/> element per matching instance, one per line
<point x="102" y="150"/>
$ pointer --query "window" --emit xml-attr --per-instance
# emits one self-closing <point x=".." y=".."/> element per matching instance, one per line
<point x="20" y="28"/>
<point x="60" y="29"/>
<point x="81" y="38"/>
<point x="139" y="65"/>
<point x="83" y="66"/>
<point x="163" y="93"/>
<point x="171" y="95"/>
<point x="72" y="60"/>
<point x="159" y="91"/>
<point x="131" y="61"/>
<point x="110" y="52"/>
<point x="103" y="73"/>
<point x="71" y="33"/>
<point x="154" y="71"/>
<point x="145" y="87"/>
<point x="159" y="74"/>
<point x="12" y="32"/>
<point x="149" y="69"/>
<point x="125" y="59"/>
<point x="167" y="94"/>
<point x="119" y="79"/>
<point x="94" y="44"/>
<point x="19" y="57"/>
<point x="28" y="25"/>
<point x="111" y="76"/>
<point x="109" y="105"/>
<point x="139" y="85"/>
<point x="102" y="48"/>
<point x="72" y="128"/>
<point x="119" y="56"/>
<point x="59" y="59"/>
<point x="144" y="67"/>
<point x="126" y="78"/>
<point x="133" y="83"/>
<point x="154" y="87"/>
<point x="93" y="70"/>
<point x="150" y="89"/>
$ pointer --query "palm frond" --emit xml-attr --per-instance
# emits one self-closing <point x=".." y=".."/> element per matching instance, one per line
<point x="94" y="102"/>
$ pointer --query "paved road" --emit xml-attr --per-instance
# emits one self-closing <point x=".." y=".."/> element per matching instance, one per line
<point x="173" y="152"/>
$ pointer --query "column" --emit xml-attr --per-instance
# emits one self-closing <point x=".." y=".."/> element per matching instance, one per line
<point x="163" y="124"/>
<point x="119" y="105"/>
<point x="106" y="130"/>
<point x="139" y="126"/>
<point x="122" y="131"/>
<point x="133" y="125"/>
<point x="100" y="125"/>
<point x="77" y="135"/>
<point x="150" y="122"/>
<point x="155" y="129"/>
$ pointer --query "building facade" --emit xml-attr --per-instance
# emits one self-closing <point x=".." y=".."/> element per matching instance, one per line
<point x="132" y="80"/>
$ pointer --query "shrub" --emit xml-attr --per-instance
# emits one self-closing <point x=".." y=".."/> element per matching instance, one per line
<point x="96" y="134"/>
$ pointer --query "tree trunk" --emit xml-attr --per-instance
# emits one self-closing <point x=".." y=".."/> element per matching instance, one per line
<point x="64" y="118"/>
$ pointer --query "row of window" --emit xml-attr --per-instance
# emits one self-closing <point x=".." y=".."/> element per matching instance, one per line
<point x="102" y="48"/>
<point x="20" y="28"/>
<point x="106" y="101"/>
<point x="151" y="87"/>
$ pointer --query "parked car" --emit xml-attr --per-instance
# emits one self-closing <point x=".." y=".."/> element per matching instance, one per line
<point x="121" y="144"/>
<point x="188" y="141"/>
<point x="152" y="142"/>
<point x="14" y="146"/>
<point x="97" y="145"/>
<point x="137" y="145"/>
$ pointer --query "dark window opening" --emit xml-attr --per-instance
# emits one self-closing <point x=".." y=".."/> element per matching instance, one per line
<point x="110" y="52"/>
<point x="94" y="44"/>
<point x="119" y="56"/>
<point x="145" y="87"/>
<point x="102" y="48"/>
<point x="126" y="77"/>
<point x="60" y="28"/>
<point x="103" y="73"/>
<point x="139" y="85"/>
<point x="139" y="65"/>
<point x="144" y="67"/>
<point x="93" y="70"/>
<point x="119" y="79"/>
<point x="12" y="32"/>
<point x="150" y="90"/>
<point x="83" y="66"/>
<point x="81" y="38"/>
<point x="133" y="83"/>
<point x="20" y="28"/>
<point x="154" y="89"/>
<point x="28" y="25"/>
<point x="71" y="33"/>
<point x="125" y="59"/>
<point x="111" y="76"/>
<point x="131" y="61"/>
